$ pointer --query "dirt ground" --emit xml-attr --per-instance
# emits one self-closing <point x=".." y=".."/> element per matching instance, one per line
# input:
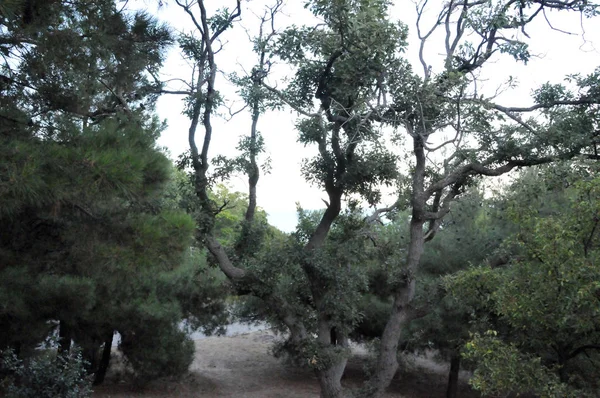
<point x="242" y="366"/>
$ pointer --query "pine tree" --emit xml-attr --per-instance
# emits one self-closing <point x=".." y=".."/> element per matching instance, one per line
<point x="87" y="240"/>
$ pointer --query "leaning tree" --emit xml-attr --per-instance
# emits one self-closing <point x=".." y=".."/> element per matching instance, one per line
<point x="355" y="94"/>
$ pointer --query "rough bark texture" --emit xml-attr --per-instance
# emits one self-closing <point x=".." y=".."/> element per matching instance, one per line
<point x="453" y="376"/>
<point x="330" y="380"/>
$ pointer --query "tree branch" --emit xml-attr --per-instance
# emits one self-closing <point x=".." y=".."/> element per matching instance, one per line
<point x="282" y="97"/>
<point x="581" y="349"/>
<point x="581" y="101"/>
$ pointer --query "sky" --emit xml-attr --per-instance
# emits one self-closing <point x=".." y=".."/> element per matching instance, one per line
<point x="556" y="55"/>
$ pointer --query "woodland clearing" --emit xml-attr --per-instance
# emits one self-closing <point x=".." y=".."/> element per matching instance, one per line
<point x="243" y="366"/>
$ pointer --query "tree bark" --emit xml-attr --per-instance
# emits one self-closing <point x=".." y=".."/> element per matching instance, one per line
<point x="453" y="376"/>
<point x="105" y="360"/>
<point x="330" y="380"/>
<point x="90" y="355"/>
<point x="387" y="361"/>
<point x="331" y="213"/>
<point x="253" y="172"/>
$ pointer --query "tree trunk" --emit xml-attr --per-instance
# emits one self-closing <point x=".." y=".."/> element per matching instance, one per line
<point x="105" y="360"/>
<point x="453" y="376"/>
<point x="64" y="339"/>
<point x="90" y="355"/>
<point x="330" y="380"/>
<point x="387" y="361"/>
<point x="253" y="172"/>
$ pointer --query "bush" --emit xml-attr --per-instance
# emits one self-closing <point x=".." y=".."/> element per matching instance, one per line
<point x="46" y="376"/>
<point x="157" y="352"/>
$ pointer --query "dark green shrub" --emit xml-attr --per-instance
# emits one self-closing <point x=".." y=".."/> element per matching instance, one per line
<point x="46" y="376"/>
<point x="158" y="352"/>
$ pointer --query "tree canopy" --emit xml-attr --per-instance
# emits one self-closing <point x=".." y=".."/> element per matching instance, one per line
<point x="355" y="92"/>
<point x="93" y="209"/>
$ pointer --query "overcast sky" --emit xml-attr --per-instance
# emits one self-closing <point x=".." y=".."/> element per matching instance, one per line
<point x="557" y="54"/>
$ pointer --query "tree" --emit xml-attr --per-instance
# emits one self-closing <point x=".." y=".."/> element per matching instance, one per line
<point x="544" y="335"/>
<point x="86" y="240"/>
<point x="471" y="234"/>
<point x="350" y="87"/>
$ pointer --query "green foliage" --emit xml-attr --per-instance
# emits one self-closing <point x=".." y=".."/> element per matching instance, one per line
<point x="470" y="234"/>
<point x="341" y="63"/>
<point x="200" y="291"/>
<point x="45" y="376"/>
<point x="88" y="230"/>
<point x="310" y="353"/>
<point x="351" y="85"/>
<point x="157" y="349"/>
<point x="546" y="333"/>
<point x="503" y="368"/>
<point x="228" y="225"/>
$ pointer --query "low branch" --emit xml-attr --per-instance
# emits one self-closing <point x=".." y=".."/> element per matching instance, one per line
<point x="175" y="92"/>
<point x="583" y="348"/>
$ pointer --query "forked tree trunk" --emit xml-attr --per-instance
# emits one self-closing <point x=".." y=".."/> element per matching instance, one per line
<point x="453" y="376"/>
<point x="105" y="360"/>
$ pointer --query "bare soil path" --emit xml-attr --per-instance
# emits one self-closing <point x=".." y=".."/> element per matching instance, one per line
<point x="242" y="366"/>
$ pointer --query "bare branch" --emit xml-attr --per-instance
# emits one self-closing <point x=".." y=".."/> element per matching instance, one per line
<point x="440" y="209"/>
<point x="174" y="92"/>
<point x="517" y="119"/>
<point x="580" y="101"/>
<point x="376" y="215"/>
<point x="486" y="168"/>
<point x="556" y="29"/>
<point x="186" y="8"/>
<point x="420" y="11"/>
<point x="234" y="113"/>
